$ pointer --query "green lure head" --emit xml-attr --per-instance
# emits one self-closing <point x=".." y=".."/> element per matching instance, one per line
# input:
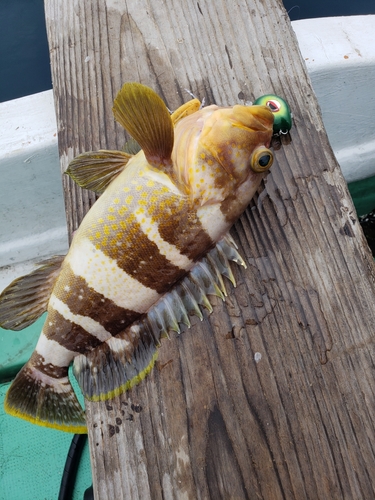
<point x="281" y="110"/>
<point x="282" y="119"/>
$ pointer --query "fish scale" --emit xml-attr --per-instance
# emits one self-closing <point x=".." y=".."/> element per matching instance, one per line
<point x="147" y="255"/>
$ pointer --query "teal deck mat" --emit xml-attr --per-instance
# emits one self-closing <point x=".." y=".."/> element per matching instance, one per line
<point x="32" y="458"/>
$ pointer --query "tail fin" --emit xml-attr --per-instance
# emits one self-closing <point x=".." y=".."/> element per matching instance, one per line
<point x="44" y="400"/>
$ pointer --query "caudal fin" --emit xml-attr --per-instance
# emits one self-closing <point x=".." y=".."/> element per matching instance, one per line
<point x="45" y="401"/>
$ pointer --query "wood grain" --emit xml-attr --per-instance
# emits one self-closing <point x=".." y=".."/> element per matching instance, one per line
<point x="272" y="396"/>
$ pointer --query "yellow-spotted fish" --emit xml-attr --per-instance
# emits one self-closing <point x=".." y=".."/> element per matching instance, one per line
<point x="145" y="256"/>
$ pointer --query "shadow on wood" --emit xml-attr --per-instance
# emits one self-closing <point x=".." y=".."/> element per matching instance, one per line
<point x="272" y="396"/>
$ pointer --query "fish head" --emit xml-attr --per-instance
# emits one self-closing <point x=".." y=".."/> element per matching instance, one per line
<point x="217" y="149"/>
<point x="238" y="138"/>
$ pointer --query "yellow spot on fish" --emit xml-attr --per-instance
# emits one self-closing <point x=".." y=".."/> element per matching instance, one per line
<point x="111" y="209"/>
<point x="111" y="217"/>
<point x="116" y="201"/>
<point x="150" y="184"/>
<point x="129" y="199"/>
<point x="101" y="220"/>
<point x="107" y="230"/>
<point x="203" y="156"/>
<point x="114" y="227"/>
<point x="210" y="162"/>
<point x="138" y="187"/>
<point x="98" y="234"/>
<point x="122" y="210"/>
<point x="126" y="189"/>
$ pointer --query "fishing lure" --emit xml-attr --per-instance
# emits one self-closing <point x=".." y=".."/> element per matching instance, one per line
<point x="146" y="255"/>
<point x="283" y="119"/>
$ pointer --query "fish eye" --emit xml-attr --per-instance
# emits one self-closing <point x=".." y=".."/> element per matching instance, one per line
<point x="261" y="160"/>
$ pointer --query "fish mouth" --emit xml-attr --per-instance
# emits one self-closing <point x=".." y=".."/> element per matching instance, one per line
<point x="258" y="118"/>
<point x="255" y="119"/>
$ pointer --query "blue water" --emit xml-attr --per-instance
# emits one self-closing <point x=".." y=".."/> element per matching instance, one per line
<point x="307" y="9"/>
<point x="24" y="55"/>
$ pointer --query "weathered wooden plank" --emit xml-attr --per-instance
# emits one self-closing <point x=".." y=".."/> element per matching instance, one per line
<point x="272" y="396"/>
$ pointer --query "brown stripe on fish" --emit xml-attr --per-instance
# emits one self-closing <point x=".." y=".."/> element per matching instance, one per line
<point x="153" y="200"/>
<point x="145" y="263"/>
<point x="234" y="205"/>
<point x="68" y="334"/>
<point x="185" y="231"/>
<point x="229" y="210"/>
<point x="83" y="300"/>
<point x="38" y="361"/>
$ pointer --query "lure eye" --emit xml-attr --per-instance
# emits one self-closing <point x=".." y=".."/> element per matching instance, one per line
<point x="273" y="105"/>
<point x="261" y="160"/>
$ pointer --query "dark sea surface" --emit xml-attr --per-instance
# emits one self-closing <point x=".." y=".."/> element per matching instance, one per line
<point x="24" y="54"/>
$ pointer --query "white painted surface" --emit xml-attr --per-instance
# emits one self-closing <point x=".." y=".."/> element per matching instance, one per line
<point x="340" y="57"/>
<point x="32" y="214"/>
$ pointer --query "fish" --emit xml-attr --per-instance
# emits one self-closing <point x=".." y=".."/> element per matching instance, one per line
<point x="146" y="255"/>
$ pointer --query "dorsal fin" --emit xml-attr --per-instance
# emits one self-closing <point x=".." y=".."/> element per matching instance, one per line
<point x="26" y="298"/>
<point x="145" y="116"/>
<point x="95" y="170"/>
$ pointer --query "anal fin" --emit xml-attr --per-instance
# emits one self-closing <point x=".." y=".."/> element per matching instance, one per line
<point x="120" y="363"/>
<point x="124" y="360"/>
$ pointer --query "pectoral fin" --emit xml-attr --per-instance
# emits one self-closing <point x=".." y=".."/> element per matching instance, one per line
<point x="145" y="116"/>
<point x="131" y="147"/>
<point x="186" y="109"/>
<point x="97" y="169"/>
<point x="26" y="298"/>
